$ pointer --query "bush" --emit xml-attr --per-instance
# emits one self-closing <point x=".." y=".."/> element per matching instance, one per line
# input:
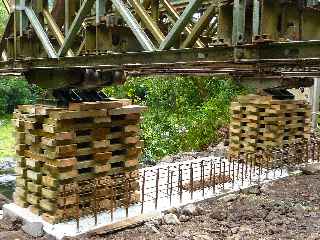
<point x="15" y="91"/>
<point x="183" y="113"/>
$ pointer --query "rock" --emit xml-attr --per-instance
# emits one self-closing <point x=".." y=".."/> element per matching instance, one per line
<point x="35" y="229"/>
<point x="11" y="235"/>
<point x="220" y="215"/>
<point x="171" y="219"/>
<point x="3" y="200"/>
<point x="311" y="169"/>
<point x="202" y="237"/>
<point x="191" y="210"/>
<point x="229" y="198"/>
<point x="152" y="227"/>
<point x="172" y="210"/>
<point x="184" y="218"/>
<point x="255" y="190"/>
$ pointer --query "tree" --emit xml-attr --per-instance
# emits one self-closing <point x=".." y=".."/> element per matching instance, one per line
<point x="3" y="17"/>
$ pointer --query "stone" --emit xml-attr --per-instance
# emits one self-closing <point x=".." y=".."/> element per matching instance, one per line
<point x="255" y="190"/>
<point x="12" y="235"/>
<point x="191" y="210"/>
<point x="3" y="200"/>
<point x="171" y="219"/>
<point x="152" y="227"/>
<point x="172" y="210"/>
<point x="311" y="169"/>
<point x="229" y="198"/>
<point x="35" y="229"/>
<point x="184" y="218"/>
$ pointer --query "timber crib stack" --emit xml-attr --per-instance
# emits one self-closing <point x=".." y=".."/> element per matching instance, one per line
<point x="78" y="160"/>
<point x="261" y="122"/>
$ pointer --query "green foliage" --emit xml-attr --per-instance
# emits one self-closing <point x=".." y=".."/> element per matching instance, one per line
<point x="15" y="91"/>
<point x="183" y="113"/>
<point x="3" y="17"/>
<point x="6" y="137"/>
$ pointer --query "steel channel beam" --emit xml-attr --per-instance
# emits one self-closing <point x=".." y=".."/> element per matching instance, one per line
<point x="199" y="26"/>
<point x="239" y="22"/>
<point x="256" y="18"/>
<point x="40" y="32"/>
<point x="75" y="26"/>
<point x="148" y="21"/>
<point x="134" y="25"/>
<point x="275" y="55"/>
<point x="174" y="14"/>
<point x="180" y="24"/>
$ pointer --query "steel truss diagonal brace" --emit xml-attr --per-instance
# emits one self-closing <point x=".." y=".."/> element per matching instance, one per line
<point x="148" y="21"/>
<point x="180" y="24"/>
<point x="134" y="25"/>
<point x="75" y="26"/>
<point x="198" y="28"/>
<point x="40" y="32"/>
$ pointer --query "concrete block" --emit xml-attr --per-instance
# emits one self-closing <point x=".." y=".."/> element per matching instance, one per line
<point x="35" y="229"/>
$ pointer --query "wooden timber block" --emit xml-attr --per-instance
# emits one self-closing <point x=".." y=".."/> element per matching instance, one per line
<point x="35" y="210"/>
<point x="125" y="110"/>
<point x="21" y="182"/>
<point x="131" y="129"/>
<point x="84" y="151"/>
<point x="33" y="199"/>
<point x="105" y="156"/>
<point x="131" y="140"/>
<point x="20" y="137"/>
<point x="21" y="171"/>
<point x="21" y="192"/>
<point x="61" y="115"/>
<point x="102" y="168"/>
<point x="61" y="151"/>
<point x="85" y="164"/>
<point x="134" y="152"/>
<point x="20" y="202"/>
<point x="34" y="188"/>
<point x="131" y="163"/>
<point x="57" y="174"/>
<point x="34" y="176"/>
<point x="62" y="162"/>
<point x="85" y="106"/>
<point x="33" y="164"/>
<point x="100" y="144"/>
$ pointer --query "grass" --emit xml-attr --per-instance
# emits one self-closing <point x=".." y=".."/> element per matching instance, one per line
<point x="6" y="137"/>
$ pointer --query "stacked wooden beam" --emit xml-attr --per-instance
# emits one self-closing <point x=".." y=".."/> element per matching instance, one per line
<point x="261" y="122"/>
<point x="77" y="160"/>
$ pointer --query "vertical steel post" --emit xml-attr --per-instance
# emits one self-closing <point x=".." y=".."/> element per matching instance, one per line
<point x="239" y="20"/>
<point x="315" y="102"/>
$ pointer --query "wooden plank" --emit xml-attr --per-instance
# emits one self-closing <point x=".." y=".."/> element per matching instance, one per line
<point x="127" y="223"/>
<point x="85" y="106"/>
<point x="130" y="109"/>
<point x="61" y="115"/>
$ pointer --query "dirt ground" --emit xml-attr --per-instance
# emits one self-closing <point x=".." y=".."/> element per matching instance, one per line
<point x="285" y="209"/>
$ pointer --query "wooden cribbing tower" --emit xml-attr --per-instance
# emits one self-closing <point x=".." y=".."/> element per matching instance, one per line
<point x="77" y="160"/>
<point x="261" y="122"/>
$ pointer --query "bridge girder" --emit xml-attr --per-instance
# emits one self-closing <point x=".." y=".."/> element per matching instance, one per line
<point x="244" y="39"/>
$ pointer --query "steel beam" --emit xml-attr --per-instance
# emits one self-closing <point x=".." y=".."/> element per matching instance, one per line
<point x="148" y="21"/>
<point x="175" y="16"/>
<point x="40" y="32"/>
<point x="198" y="28"/>
<point x="239" y="21"/>
<point x="75" y="26"/>
<point x="256" y="18"/>
<point x="180" y="24"/>
<point x="315" y="103"/>
<point x="55" y="30"/>
<point x="136" y="29"/>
